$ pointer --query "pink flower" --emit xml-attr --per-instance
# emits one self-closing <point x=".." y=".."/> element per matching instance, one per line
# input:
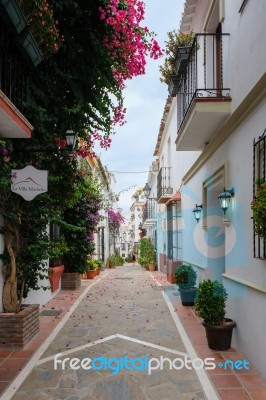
<point x="110" y="21"/>
<point x="127" y="42"/>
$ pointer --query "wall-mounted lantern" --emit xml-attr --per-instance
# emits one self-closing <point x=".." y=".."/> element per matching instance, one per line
<point x="225" y="198"/>
<point x="197" y="212"/>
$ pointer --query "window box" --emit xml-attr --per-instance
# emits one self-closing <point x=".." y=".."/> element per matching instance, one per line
<point x="13" y="15"/>
<point x="181" y="59"/>
<point x="30" y="47"/>
<point x="173" y="85"/>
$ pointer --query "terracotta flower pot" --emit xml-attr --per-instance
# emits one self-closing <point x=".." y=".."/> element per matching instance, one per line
<point x="55" y="276"/>
<point x="151" y="267"/>
<point x="91" y="273"/>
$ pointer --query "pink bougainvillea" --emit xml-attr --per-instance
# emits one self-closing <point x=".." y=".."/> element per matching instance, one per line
<point x="128" y="43"/>
<point x="115" y="218"/>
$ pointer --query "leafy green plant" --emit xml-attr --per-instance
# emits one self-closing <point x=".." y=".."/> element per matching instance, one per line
<point x="92" y="104"/>
<point x="81" y="217"/>
<point x="42" y="23"/>
<point x="116" y="260"/>
<point x="175" y="40"/>
<point x="210" y="302"/>
<point x="185" y="276"/>
<point x="99" y="263"/>
<point x="147" y="251"/>
<point x="91" y="265"/>
<point x="141" y="260"/>
<point x="57" y="248"/>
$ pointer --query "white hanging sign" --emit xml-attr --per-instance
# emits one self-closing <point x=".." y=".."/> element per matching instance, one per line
<point x="29" y="182"/>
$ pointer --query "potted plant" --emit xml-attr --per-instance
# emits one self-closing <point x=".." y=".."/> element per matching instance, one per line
<point x="80" y="221"/>
<point x="57" y="248"/>
<point x="147" y="253"/>
<point x="91" y="268"/>
<point x="177" y="51"/>
<point x="142" y="261"/>
<point x="99" y="266"/>
<point x="210" y="305"/>
<point x="185" y="278"/>
<point x="151" y="261"/>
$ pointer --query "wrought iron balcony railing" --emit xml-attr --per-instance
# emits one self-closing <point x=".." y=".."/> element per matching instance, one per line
<point x="149" y="210"/>
<point x="203" y="76"/>
<point x="12" y="73"/>
<point x="164" y="189"/>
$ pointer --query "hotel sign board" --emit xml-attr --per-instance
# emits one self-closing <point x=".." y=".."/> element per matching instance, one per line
<point x="29" y="182"/>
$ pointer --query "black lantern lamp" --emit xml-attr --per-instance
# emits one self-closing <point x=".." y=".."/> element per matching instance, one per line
<point x="225" y="198"/>
<point x="197" y="212"/>
<point x="147" y="190"/>
<point x="71" y="138"/>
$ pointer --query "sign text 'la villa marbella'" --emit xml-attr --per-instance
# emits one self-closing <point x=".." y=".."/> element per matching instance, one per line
<point x="29" y="182"/>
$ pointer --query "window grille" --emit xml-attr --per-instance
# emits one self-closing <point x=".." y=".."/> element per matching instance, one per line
<point x="259" y="173"/>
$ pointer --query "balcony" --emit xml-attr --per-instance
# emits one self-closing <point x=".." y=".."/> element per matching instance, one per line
<point x="164" y="189"/>
<point x="12" y="90"/>
<point x="148" y="214"/>
<point x="203" y="101"/>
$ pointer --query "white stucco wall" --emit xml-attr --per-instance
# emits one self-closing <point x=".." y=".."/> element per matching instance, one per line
<point x="245" y="304"/>
<point x="41" y="296"/>
<point x="247" y="60"/>
<point x="244" y="61"/>
<point x="180" y="161"/>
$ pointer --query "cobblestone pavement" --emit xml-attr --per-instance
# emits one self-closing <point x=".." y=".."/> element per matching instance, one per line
<point x="123" y="314"/>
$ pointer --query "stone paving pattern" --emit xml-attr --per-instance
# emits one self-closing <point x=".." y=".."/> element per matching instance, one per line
<point x="230" y="384"/>
<point x="127" y="301"/>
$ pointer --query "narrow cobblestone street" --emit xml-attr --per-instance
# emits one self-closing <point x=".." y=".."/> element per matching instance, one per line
<point x="125" y="302"/>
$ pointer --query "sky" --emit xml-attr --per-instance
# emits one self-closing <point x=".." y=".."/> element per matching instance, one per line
<point x="144" y="97"/>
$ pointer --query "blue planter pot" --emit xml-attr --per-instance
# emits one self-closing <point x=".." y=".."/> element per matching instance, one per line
<point x="188" y="296"/>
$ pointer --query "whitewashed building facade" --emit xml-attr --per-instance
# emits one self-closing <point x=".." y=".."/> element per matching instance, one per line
<point x="220" y="109"/>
